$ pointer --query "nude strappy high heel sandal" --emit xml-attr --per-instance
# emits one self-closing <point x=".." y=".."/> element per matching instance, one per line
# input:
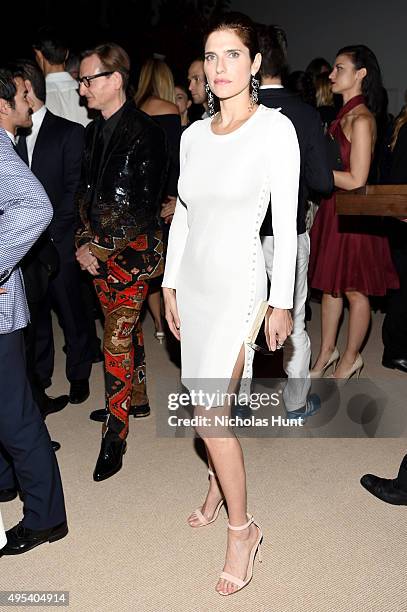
<point x="203" y="521"/>
<point x="256" y="549"/>
<point x="160" y="336"/>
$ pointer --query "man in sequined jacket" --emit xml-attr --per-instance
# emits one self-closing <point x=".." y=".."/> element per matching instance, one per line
<point x="119" y="241"/>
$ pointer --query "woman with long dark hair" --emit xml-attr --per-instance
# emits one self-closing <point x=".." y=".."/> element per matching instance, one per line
<point x="215" y="279"/>
<point x="350" y="256"/>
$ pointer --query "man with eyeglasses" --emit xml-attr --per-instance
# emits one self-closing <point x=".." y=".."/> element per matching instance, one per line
<point x="197" y="81"/>
<point x="62" y="97"/>
<point x="119" y="241"/>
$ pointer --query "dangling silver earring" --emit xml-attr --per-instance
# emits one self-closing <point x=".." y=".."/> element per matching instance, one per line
<point x="254" y="96"/>
<point x="211" y="100"/>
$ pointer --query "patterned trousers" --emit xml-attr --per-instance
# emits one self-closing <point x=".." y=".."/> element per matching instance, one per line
<point x="122" y="293"/>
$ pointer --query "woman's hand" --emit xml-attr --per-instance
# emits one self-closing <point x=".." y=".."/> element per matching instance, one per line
<point x="171" y="311"/>
<point x="87" y="260"/>
<point x="278" y="326"/>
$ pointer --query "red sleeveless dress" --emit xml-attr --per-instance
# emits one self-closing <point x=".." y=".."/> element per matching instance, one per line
<point x="349" y="253"/>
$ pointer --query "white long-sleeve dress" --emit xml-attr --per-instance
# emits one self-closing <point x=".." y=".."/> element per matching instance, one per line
<point x="215" y="261"/>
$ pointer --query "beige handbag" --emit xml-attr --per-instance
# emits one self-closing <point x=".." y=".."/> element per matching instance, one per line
<point x="255" y="329"/>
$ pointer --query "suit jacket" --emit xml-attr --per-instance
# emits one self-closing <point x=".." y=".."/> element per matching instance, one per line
<point x="25" y="212"/>
<point x="315" y="172"/>
<point x="56" y="162"/>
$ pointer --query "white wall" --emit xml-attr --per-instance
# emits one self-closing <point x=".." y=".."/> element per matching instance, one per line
<point x="320" y="28"/>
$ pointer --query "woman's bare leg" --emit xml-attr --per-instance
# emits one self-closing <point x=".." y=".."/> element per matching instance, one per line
<point x="331" y="312"/>
<point x="213" y="496"/>
<point x="154" y="305"/>
<point x="359" y="321"/>
<point x="227" y="458"/>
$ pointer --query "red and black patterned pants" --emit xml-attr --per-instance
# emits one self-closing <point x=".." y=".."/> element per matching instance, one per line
<point x="122" y="287"/>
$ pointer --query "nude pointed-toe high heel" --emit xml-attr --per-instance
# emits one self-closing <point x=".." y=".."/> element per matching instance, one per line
<point x="332" y="361"/>
<point x="355" y="369"/>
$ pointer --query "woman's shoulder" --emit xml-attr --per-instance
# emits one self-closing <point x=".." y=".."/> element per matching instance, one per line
<point x="363" y="120"/>
<point x="156" y="106"/>
<point x="273" y="118"/>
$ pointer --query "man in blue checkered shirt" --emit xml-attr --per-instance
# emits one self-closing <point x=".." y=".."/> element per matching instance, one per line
<point x="25" y="212"/>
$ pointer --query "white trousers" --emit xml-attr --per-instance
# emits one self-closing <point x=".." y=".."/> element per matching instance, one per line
<point x="297" y="347"/>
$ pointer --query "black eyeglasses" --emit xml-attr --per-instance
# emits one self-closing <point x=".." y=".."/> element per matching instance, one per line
<point x="85" y="80"/>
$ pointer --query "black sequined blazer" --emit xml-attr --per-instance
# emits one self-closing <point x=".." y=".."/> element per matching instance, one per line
<point x="125" y="188"/>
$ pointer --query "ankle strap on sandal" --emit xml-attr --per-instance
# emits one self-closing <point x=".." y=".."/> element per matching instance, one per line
<point x="245" y="526"/>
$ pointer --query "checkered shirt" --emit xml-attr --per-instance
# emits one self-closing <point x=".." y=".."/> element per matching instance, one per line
<point x="25" y="212"/>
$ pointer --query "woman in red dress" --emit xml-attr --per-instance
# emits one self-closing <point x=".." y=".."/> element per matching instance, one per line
<point x="350" y="256"/>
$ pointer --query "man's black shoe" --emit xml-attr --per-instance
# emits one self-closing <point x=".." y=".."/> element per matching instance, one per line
<point x="79" y="391"/>
<point x="21" y="539"/>
<point x="384" y="489"/>
<point x="110" y="458"/>
<point x="140" y="411"/>
<point x="49" y="405"/>
<point x="136" y="411"/>
<point x="99" y="415"/>
<point x="395" y="364"/>
<point x="55" y="446"/>
<point x="8" y="495"/>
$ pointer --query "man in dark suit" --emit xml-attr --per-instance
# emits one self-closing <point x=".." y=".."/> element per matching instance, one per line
<point x="53" y="150"/>
<point x="26" y="454"/>
<point x="315" y="175"/>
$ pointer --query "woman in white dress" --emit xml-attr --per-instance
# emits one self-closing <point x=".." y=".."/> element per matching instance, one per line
<point x="232" y="165"/>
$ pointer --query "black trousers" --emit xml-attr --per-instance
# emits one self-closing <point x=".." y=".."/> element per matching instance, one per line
<point x="26" y="455"/>
<point x="65" y="296"/>
<point x="30" y="336"/>
<point x="394" y="332"/>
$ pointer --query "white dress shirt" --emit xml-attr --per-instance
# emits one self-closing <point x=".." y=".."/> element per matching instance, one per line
<point x="63" y="97"/>
<point x="11" y="136"/>
<point x="38" y="118"/>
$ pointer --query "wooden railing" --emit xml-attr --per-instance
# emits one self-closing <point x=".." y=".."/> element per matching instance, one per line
<point x="377" y="200"/>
